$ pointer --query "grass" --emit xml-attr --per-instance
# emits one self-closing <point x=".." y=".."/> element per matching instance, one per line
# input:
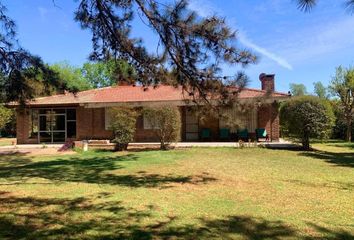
<point x="6" y="141"/>
<point x="220" y="193"/>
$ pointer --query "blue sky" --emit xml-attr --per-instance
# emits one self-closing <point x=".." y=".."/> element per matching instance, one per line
<point x="298" y="47"/>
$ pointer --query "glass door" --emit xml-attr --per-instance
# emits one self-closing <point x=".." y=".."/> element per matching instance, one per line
<point x="52" y="126"/>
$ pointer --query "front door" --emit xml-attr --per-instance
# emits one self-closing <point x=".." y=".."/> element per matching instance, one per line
<point x="52" y="126"/>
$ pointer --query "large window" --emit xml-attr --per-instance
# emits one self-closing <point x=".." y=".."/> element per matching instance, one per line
<point x="235" y="118"/>
<point x="52" y="125"/>
<point x="33" y="124"/>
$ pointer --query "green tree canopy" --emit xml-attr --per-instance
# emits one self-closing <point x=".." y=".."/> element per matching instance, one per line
<point x="298" y="89"/>
<point x="72" y="76"/>
<point x="108" y="73"/>
<point x="19" y="68"/>
<point x="320" y="90"/>
<point x="307" y="117"/>
<point x="192" y="45"/>
<point x="342" y="86"/>
<point x="5" y="116"/>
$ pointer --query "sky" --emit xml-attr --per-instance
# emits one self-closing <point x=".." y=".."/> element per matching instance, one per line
<point x="297" y="47"/>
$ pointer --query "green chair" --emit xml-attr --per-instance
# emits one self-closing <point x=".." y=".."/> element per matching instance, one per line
<point x="224" y="134"/>
<point x="261" y="133"/>
<point x="205" y="134"/>
<point x="242" y="134"/>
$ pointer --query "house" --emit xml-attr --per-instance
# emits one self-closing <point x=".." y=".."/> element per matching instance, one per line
<point x="84" y="115"/>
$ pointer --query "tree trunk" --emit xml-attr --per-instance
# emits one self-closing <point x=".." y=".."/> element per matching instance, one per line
<point x="306" y="142"/>
<point x="349" y="129"/>
<point x="162" y="145"/>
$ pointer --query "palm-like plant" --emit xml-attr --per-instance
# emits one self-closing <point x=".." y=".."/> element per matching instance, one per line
<point x="307" y="5"/>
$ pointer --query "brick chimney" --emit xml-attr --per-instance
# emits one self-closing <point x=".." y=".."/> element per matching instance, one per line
<point x="267" y="81"/>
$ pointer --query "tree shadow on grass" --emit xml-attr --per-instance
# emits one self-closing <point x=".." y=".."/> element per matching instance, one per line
<point x="92" y="218"/>
<point x="337" y="159"/>
<point x="95" y="170"/>
<point x="97" y="217"/>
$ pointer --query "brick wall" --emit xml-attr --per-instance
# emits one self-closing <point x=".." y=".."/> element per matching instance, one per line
<point x="268" y="118"/>
<point x="90" y="124"/>
<point x="22" y="121"/>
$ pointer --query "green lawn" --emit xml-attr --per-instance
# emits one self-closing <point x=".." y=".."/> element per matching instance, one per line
<point x="182" y="194"/>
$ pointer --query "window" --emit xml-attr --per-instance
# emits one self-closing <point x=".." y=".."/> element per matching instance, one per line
<point x="107" y="118"/>
<point x="52" y="125"/>
<point x="33" y="124"/>
<point x="246" y="119"/>
<point x="71" y="123"/>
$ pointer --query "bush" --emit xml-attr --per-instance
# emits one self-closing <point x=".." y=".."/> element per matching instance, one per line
<point x="307" y="117"/>
<point x="340" y="127"/>
<point x="123" y="125"/>
<point x="165" y="122"/>
<point x="6" y="116"/>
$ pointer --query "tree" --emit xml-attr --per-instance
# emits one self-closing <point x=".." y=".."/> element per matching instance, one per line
<point x="193" y="46"/>
<point x="307" y="5"/>
<point x="123" y="125"/>
<point x="166" y="123"/>
<point x="298" y="89"/>
<point x="108" y="73"/>
<point x="342" y="86"/>
<point x="340" y="128"/>
<point x="5" y="116"/>
<point x="14" y="63"/>
<point x="72" y="76"/>
<point x="307" y="117"/>
<point x="320" y="90"/>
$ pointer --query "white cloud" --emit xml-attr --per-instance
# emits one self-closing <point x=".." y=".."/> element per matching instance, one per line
<point x="205" y="8"/>
<point x="318" y="40"/>
<point x="279" y="60"/>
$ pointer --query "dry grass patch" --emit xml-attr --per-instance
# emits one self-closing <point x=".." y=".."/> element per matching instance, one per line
<point x="181" y="194"/>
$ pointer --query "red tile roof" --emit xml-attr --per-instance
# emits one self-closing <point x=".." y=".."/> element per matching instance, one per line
<point x="125" y="94"/>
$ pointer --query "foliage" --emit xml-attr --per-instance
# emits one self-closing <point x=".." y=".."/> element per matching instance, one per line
<point x="71" y="75"/>
<point x="320" y="90"/>
<point x="340" y="127"/>
<point x="193" y="46"/>
<point x="307" y="5"/>
<point x="342" y="86"/>
<point x="123" y="125"/>
<point x="108" y="73"/>
<point x="298" y="89"/>
<point x="307" y="117"/>
<point x="166" y="123"/>
<point x="5" y="116"/>
<point x="15" y="80"/>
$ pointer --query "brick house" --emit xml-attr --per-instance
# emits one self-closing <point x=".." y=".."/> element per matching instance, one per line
<point x="83" y="115"/>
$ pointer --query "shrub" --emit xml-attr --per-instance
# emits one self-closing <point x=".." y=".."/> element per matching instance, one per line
<point x="307" y="117"/>
<point x="165" y="122"/>
<point x="123" y="125"/>
<point x="6" y="115"/>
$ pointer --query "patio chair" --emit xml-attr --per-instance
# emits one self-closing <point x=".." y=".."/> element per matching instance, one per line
<point x="224" y="134"/>
<point x="205" y="134"/>
<point x="261" y="133"/>
<point x="242" y="134"/>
